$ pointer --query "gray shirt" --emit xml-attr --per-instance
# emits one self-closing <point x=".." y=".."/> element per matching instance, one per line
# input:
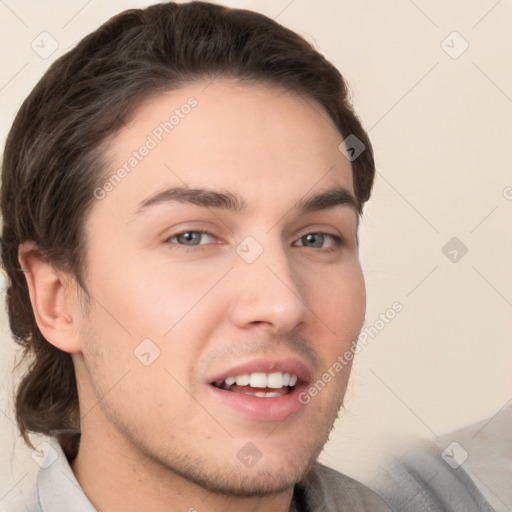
<point x="469" y="470"/>
<point x="57" y="490"/>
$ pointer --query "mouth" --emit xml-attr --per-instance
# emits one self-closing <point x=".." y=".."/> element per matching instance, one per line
<point x="259" y="384"/>
<point x="264" y="389"/>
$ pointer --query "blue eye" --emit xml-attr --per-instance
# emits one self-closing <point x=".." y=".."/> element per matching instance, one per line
<point x="188" y="238"/>
<point x="323" y="241"/>
<point x="317" y="240"/>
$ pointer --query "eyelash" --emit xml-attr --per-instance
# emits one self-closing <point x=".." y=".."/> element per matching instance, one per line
<point x="338" y="241"/>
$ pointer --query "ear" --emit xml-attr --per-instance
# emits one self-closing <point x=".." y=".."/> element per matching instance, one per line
<point x="52" y="298"/>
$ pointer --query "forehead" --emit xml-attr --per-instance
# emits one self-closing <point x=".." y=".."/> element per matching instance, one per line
<point x="264" y="143"/>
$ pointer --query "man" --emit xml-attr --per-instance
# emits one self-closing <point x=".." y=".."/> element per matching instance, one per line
<point x="181" y="195"/>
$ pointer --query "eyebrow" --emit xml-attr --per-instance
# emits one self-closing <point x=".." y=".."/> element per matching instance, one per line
<point x="221" y="199"/>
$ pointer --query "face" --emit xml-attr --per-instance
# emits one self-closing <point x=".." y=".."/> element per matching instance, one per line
<point x="214" y="274"/>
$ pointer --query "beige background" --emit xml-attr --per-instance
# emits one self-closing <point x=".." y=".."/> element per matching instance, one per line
<point x="442" y="131"/>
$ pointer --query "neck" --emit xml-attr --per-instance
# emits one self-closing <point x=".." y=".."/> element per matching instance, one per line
<point x="116" y="478"/>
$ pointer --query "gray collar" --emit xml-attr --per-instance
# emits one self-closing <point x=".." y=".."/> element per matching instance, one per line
<point x="57" y="488"/>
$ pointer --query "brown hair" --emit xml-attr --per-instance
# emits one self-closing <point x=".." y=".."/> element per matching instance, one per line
<point x="53" y="155"/>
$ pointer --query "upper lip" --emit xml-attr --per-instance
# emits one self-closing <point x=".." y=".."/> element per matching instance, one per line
<point x="266" y="364"/>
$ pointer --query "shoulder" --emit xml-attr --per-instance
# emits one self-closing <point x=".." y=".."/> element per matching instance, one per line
<point x="422" y="479"/>
<point x="329" y="490"/>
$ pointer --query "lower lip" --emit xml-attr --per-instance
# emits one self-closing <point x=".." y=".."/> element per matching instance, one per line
<point x="276" y="408"/>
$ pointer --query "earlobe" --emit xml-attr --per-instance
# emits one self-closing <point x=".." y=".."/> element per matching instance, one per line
<point x="50" y="298"/>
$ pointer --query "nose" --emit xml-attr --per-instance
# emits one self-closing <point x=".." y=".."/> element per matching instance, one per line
<point x="268" y="291"/>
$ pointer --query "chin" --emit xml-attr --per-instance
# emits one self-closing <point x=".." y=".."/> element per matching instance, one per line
<point x="250" y="482"/>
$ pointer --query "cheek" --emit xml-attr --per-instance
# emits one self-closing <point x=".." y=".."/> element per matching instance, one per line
<point x="150" y="296"/>
<point x="340" y="303"/>
<point x="175" y="306"/>
<point x="339" y="308"/>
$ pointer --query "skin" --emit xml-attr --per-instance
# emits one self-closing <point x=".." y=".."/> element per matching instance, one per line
<point x="153" y="437"/>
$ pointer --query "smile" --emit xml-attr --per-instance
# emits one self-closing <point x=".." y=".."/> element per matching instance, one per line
<point x="261" y="389"/>
<point x="259" y="384"/>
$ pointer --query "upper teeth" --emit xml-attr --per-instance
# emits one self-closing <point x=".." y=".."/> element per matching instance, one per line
<point x="263" y="380"/>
